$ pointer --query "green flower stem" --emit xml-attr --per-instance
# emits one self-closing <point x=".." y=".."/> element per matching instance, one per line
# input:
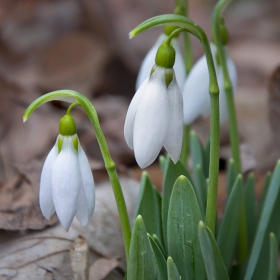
<point x="233" y="128"/>
<point x="75" y="97"/>
<point x="193" y="28"/>
<point x="234" y="140"/>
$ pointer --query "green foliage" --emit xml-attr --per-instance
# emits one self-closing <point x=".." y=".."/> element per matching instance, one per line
<point x="182" y="236"/>
<point x="142" y="264"/>
<point x="173" y="273"/>
<point x="213" y="261"/>
<point x="273" y="258"/>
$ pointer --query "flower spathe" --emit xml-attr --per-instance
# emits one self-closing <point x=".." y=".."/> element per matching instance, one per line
<point x="67" y="185"/>
<point x="195" y="91"/>
<point x="149" y="61"/>
<point x="155" y="118"/>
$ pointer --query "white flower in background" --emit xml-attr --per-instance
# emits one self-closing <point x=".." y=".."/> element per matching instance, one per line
<point x="195" y="91"/>
<point x="67" y="185"/>
<point x="155" y="118"/>
<point x="149" y="61"/>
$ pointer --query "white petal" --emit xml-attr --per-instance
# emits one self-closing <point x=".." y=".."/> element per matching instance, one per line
<point x="179" y="66"/>
<point x="149" y="61"/>
<point x="87" y="195"/>
<point x="45" y="196"/>
<point x="195" y="92"/>
<point x="66" y="183"/>
<point x="151" y="120"/>
<point x="173" y="141"/>
<point x="130" y="116"/>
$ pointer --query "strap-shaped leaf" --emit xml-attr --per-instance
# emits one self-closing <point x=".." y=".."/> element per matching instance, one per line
<point x="250" y="207"/>
<point x="149" y="207"/>
<point x="231" y="176"/>
<point x="160" y="259"/>
<point x="173" y="273"/>
<point x="182" y="233"/>
<point x="214" y="265"/>
<point x="141" y="263"/>
<point x="201" y="188"/>
<point x="271" y="200"/>
<point x="264" y="193"/>
<point x="206" y="161"/>
<point x="273" y="258"/>
<point x="173" y="171"/>
<point x="229" y="227"/>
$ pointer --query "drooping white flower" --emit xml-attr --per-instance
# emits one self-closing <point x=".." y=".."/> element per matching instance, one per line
<point x="155" y="118"/>
<point x="149" y="61"/>
<point x="195" y="91"/>
<point x="67" y="185"/>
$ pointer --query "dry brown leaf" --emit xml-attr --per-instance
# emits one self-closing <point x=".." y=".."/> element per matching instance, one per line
<point x="79" y="258"/>
<point x="47" y="254"/>
<point x="101" y="268"/>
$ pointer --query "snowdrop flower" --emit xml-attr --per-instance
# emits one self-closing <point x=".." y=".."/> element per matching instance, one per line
<point x="149" y="61"/>
<point x="67" y="185"/>
<point x="195" y="91"/>
<point x="155" y="115"/>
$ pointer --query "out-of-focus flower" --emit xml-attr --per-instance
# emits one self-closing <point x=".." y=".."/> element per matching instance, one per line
<point x="195" y="91"/>
<point x="149" y="61"/>
<point x="155" y="115"/>
<point x="67" y="185"/>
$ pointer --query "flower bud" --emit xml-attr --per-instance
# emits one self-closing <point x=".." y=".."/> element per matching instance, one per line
<point x="165" y="56"/>
<point x="67" y="126"/>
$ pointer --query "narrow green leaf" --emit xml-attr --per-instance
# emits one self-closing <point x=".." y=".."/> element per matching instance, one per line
<point x="273" y="258"/>
<point x="182" y="234"/>
<point x="149" y="207"/>
<point x="227" y="236"/>
<point x="197" y="152"/>
<point x="162" y="161"/>
<point x="250" y="207"/>
<point x="202" y="188"/>
<point x="161" y="260"/>
<point x="141" y="263"/>
<point x="231" y="176"/>
<point x="160" y="245"/>
<point x="214" y="265"/>
<point x="173" y="273"/>
<point x="173" y="171"/>
<point x="269" y="203"/>
<point x="264" y="192"/>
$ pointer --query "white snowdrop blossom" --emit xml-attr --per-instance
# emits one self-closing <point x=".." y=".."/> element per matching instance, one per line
<point x="67" y="185"/>
<point x="155" y="118"/>
<point x="149" y="62"/>
<point x="195" y="91"/>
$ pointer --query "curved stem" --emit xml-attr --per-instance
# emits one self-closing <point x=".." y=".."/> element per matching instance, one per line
<point x="234" y="140"/>
<point x="194" y="29"/>
<point x="75" y="97"/>
<point x="69" y="110"/>
<point x="233" y="128"/>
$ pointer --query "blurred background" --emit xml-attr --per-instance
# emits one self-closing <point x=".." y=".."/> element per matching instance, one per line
<point x="83" y="45"/>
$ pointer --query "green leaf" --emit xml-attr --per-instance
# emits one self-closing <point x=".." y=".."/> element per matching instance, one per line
<point x="182" y="234"/>
<point x="197" y="154"/>
<point x="264" y="192"/>
<point x="141" y="263"/>
<point x="173" y="273"/>
<point x="149" y="207"/>
<point x="227" y="236"/>
<point x="231" y="176"/>
<point x="161" y="260"/>
<point x="202" y="188"/>
<point x="273" y="258"/>
<point x="172" y="172"/>
<point x="271" y="198"/>
<point x="162" y="161"/>
<point x="160" y="245"/>
<point x="214" y="265"/>
<point x="250" y="208"/>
